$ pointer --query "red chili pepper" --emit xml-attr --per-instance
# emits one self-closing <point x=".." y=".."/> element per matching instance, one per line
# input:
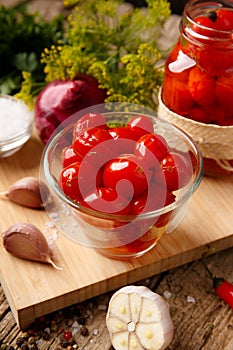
<point x="223" y="288"/>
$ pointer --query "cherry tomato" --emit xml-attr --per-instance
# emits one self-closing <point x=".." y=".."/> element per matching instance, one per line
<point x="79" y="178"/>
<point x="152" y="147"/>
<point x="97" y="143"/>
<point x="224" y="93"/>
<point x="224" y="19"/>
<point x="206" y="24"/>
<point x="126" y="139"/>
<point x="69" y="156"/>
<point x="177" y="96"/>
<point x="89" y="121"/>
<point x="176" y="170"/>
<point x="126" y="175"/>
<point x="106" y="200"/>
<point x="199" y="115"/>
<point x="155" y="198"/>
<point x="202" y="87"/>
<point x="140" y="125"/>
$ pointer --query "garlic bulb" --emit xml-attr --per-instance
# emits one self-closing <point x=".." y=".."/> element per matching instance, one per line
<point x="139" y="319"/>
<point x="26" y="241"/>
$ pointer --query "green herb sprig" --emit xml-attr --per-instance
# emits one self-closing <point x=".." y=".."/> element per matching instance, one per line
<point x="119" y="48"/>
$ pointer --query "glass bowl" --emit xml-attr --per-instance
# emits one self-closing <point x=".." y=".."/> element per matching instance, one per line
<point x="16" y="125"/>
<point x="117" y="235"/>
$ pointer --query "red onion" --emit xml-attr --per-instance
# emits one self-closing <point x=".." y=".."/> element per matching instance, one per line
<point x="60" y="99"/>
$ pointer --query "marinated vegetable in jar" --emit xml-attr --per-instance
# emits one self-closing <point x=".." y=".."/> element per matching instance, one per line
<point x="198" y="80"/>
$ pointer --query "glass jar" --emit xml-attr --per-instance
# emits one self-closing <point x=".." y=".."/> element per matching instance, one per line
<point x="197" y="92"/>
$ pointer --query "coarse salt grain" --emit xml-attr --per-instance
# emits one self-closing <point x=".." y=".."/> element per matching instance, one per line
<point x="190" y="299"/>
<point x="15" y="117"/>
<point x="167" y="294"/>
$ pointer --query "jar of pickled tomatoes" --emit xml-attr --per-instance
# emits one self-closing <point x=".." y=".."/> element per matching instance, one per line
<point x="197" y="92"/>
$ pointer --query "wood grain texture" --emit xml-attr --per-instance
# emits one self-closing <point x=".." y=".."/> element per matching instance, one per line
<point x="204" y="324"/>
<point x="35" y="289"/>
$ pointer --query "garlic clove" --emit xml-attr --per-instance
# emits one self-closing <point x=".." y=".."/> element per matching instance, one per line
<point x="138" y="318"/>
<point x="28" y="192"/>
<point x="26" y="241"/>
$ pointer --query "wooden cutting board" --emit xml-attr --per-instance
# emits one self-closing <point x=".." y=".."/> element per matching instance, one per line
<point x="35" y="289"/>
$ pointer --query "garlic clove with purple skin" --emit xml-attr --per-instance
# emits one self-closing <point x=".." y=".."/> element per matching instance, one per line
<point x="26" y="241"/>
<point x="28" y="192"/>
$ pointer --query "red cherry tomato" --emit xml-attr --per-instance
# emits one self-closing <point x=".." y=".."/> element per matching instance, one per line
<point x="202" y="87"/>
<point x="97" y="143"/>
<point x="140" y="125"/>
<point x="176" y="95"/>
<point x="79" y="178"/>
<point x="69" y="156"/>
<point x="224" y="19"/>
<point x="206" y="24"/>
<point x="152" y="147"/>
<point x="126" y="175"/>
<point x="155" y="198"/>
<point x="89" y="121"/>
<point x="126" y="139"/>
<point x="106" y="200"/>
<point x="199" y="115"/>
<point x="176" y="170"/>
<point x="224" y="93"/>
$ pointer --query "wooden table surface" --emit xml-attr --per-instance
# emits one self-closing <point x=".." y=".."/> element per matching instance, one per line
<point x="201" y="319"/>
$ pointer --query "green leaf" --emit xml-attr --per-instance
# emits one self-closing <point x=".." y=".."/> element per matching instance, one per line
<point x="7" y="85"/>
<point x="27" y="62"/>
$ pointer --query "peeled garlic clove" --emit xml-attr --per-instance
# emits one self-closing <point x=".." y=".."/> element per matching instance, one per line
<point x="28" y="192"/>
<point x="26" y="241"/>
<point x="138" y="318"/>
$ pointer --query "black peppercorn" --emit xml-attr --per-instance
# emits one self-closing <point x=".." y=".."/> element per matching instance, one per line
<point x="24" y="347"/>
<point x="64" y="343"/>
<point x="45" y="335"/>
<point x="84" y="331"/>
<point x="20" y="341"/>
<point x="82" y="320"/>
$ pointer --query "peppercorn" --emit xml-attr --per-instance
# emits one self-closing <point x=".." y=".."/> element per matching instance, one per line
<point x="34" y="347"/>
<point x="24" y="347"/>
<point x="81" y="320"/>
<point x="84" y="331"/>
<point x="69" y="322"/>
<point x="20" y="341"/>
<point x="45" y="335"/>
<point x="53" y="326"/>
<point x="67" y="335"/>
<point x="31" y="340"/>
<point x="64" y="343"/>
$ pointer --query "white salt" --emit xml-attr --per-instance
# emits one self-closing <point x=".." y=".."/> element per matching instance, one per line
<point x="190" y="299"/>
<point x="15" y="117"/>
<point x="167" y="294"/>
